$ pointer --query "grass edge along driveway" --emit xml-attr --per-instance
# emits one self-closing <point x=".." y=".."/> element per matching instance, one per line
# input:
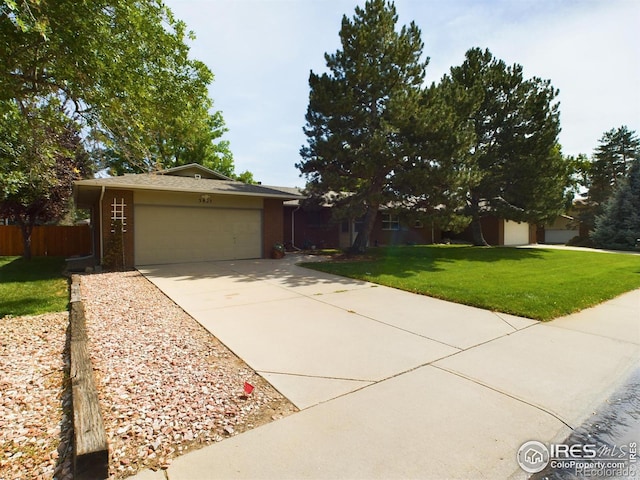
<point x="529" y="282"/>
<point x="32" y="287"/>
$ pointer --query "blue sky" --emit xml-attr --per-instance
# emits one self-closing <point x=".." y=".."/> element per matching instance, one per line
<point x="261" y="53"/>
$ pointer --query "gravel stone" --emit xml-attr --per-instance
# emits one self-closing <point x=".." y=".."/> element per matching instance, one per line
<point x="166" y="385"/>
<point x="35" y="398"/>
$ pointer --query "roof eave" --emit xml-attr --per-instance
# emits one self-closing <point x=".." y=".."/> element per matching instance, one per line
<point x="98" y="184"/>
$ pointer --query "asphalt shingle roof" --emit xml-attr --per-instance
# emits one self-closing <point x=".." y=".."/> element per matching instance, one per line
<point x="152" y="181"/>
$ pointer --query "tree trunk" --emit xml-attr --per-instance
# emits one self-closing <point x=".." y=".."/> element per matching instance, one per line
<point x="26" y="230"/>
<point x="476" y="225"/>
<point x="476" y="231"/>
<point x="362" y="239"/>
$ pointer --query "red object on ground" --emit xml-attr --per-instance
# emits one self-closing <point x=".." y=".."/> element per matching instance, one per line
<point x="248" y="388"/>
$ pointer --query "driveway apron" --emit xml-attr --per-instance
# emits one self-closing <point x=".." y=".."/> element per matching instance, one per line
<point x="392" y="384"/>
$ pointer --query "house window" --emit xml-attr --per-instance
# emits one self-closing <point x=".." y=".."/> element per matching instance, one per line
<point x="390" y="222"/>
<point x="118" y="214"/>
<point x="418" y="224"/>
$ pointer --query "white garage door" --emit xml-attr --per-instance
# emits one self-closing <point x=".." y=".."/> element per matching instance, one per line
<point x="516" y="233"/>
<point x="166" y="234"/>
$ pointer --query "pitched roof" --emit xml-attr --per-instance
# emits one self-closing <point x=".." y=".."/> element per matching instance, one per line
<point x="175" y="180"/>
<point x="193" y="169"/>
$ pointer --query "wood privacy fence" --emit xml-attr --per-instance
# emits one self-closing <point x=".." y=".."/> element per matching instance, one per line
<point x="51" y="240"/>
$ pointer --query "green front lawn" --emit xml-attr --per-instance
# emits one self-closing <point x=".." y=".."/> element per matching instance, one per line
<point x="529" y="282"/>
<point x="32" y="288"/>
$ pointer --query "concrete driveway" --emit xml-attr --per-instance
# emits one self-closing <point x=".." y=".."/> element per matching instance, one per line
<point x="392" y="384"/>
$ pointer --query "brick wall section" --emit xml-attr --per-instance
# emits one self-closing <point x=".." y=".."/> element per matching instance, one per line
<point x="311" y="228"/>
<point x="408" y="234"/>
<point x="107" y="202"/>
<point x="272" y="225"/>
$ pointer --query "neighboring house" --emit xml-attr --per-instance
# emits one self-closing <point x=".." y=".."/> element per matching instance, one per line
<point x="566" y="227"/>
<point x="182" y="214"/>
<point x="307" y="227"/>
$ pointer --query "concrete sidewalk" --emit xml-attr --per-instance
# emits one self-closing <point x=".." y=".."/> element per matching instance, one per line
<point x="391" y="384"/>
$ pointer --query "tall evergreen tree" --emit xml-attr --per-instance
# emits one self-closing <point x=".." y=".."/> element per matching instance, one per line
<point x="617" y="149"/>
<point x="618" y="227"/>
<point x="361" y="115"/>
<point x="519" y="172"/>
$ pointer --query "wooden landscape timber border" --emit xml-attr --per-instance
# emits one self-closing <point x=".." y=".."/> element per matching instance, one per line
<point x="90" y="447"/>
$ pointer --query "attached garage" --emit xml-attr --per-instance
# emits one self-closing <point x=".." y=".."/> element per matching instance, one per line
<point x="183" y="214"/>
<point x="165" y="234"/>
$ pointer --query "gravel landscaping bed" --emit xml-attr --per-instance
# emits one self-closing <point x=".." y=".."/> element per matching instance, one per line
<point x="35" y="398"/>
<point x="166" y="385"/>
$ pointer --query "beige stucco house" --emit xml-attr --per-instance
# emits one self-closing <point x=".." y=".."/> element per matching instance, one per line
<point x="182" y="214"/>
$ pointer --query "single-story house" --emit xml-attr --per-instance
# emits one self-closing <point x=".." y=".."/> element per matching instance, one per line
<point x="183" y="214"/>
<point x="308" y="226"/>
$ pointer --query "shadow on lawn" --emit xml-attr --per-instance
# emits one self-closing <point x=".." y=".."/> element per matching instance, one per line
<point x="38" y="268"/>
<point x="408" y="261"/>
<point x="30" y="287"/>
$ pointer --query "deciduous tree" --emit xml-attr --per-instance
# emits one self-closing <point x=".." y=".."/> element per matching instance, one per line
<point x="122" y="69"/>
<point x="113" y="76"/>
<point x="41" y="154"/>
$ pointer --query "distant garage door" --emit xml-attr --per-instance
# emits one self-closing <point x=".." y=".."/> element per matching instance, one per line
<point x="516" y="233"/>
<point x="165" y="234"/>
<point x="559" y="236"/>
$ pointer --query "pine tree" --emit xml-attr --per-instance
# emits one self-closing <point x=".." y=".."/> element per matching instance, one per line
<point x="362" y="114"/>
<point x="610" y="163"/>
<point x="618" y="227"/>
<point x="520" y="173"/>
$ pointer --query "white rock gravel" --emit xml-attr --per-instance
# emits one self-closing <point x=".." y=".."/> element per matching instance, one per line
<point x="166" y="385"/>
<point x="35" y="398"/>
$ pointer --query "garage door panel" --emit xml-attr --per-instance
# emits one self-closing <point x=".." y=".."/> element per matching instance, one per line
<point x="559" y="236"/>
<point x="516" y="233"/>
<point x="166" y="234"/>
